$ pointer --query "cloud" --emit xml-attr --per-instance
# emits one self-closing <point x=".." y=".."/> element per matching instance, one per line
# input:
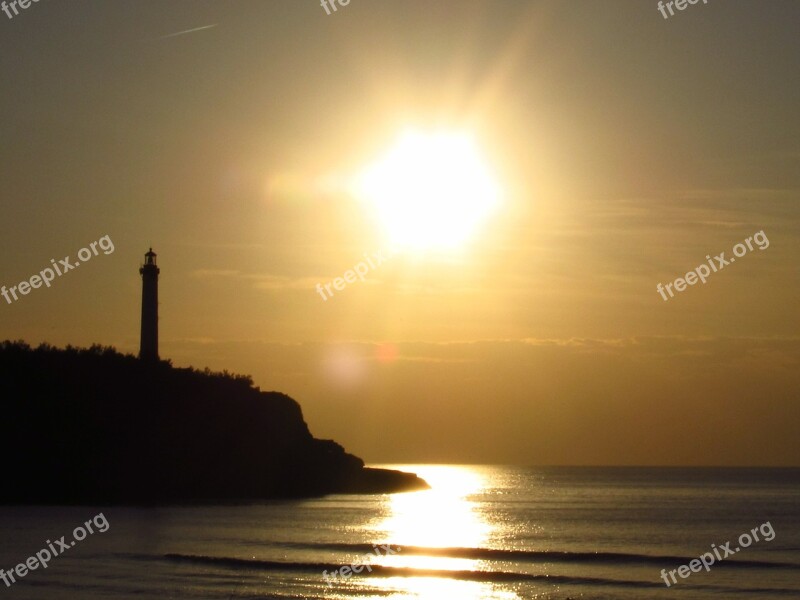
<point x="260" y="281"/>
<point x="649" y="400"/>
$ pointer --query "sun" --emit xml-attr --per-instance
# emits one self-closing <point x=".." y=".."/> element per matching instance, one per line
<point x="430" y="190"/>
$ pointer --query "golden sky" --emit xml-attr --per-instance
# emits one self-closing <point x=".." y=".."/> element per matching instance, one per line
<point x="625" y="148"/>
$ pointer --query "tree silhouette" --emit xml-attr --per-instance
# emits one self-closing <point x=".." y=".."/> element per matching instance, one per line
<point x="93" y="425"/>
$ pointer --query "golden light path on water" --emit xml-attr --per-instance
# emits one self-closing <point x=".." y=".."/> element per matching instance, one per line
<point x="442" y="517"/>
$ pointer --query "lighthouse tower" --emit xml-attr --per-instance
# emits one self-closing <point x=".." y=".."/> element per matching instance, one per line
<point x="148" y="349"/>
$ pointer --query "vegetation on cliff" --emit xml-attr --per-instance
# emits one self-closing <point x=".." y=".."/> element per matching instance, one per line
<point x="96" y="426"/>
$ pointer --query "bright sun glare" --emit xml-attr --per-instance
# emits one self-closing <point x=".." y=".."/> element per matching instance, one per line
<point x="431" y="190"/>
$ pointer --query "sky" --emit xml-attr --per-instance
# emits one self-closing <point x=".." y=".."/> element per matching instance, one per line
<point x="625" y="148"/>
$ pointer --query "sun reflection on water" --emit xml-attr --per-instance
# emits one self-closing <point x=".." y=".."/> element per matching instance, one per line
<point x="429" y="588"/>
<point x="442" y="517"/>
<point x="424" y="525"/>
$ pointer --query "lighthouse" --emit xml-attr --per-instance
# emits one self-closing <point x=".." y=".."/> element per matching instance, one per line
<point x="148" y="349"/>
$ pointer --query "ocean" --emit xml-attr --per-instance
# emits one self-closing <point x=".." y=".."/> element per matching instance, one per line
<point x="481" y="532"/>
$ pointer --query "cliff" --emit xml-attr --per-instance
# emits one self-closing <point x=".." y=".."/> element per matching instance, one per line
<point x="97" y="427"/>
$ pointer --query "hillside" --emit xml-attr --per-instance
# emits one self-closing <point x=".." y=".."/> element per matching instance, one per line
<point x="94" y="426"/>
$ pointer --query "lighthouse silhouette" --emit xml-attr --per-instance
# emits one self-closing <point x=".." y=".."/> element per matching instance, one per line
<point x="148" y="348"/>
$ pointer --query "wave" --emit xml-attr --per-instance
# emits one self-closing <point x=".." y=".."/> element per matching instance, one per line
<point x="380" y="570"/>
<point x="551" y="556"/>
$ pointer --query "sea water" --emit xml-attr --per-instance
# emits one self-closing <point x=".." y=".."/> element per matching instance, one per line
<point x="481" y="532"/>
